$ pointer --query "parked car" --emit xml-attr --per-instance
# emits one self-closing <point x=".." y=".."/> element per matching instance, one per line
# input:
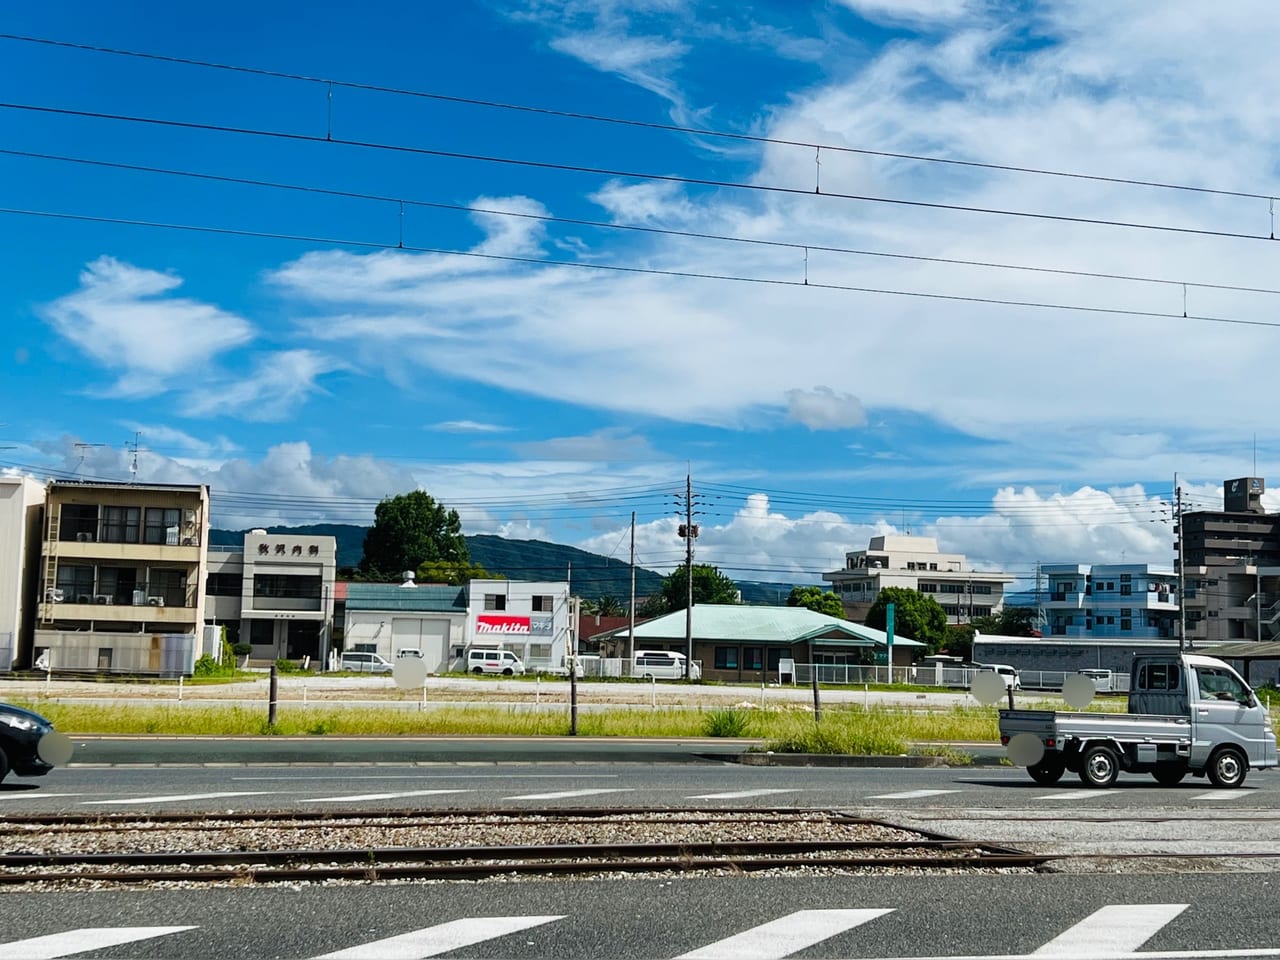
<point x="1008" y="673"/>
<point x="366" y="662"/>
<point x="29" y="746"/>
<point x="1102" y="680"/>
<point x="409" y="652"/>
<point x="662" y="665"/>
<point x="493" y="660"/>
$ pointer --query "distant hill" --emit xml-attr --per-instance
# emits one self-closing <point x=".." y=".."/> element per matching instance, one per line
<point x="590" y="575"/>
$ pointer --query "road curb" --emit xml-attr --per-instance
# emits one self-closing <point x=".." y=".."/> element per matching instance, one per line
<point x="834" y="760"/>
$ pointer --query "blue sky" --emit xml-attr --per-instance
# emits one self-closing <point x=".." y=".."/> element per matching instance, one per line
<point x="383" y="308"/>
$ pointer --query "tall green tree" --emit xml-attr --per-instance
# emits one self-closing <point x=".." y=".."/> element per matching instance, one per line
<point x="816" y="599"/>
<point x="915" y="615"/>
<point x="709" y="586"/>
<point x="409" y="530"/>
<point x="1009" y="622"/>
<point x="606" y="606"/>
<point x="454" y="574"/>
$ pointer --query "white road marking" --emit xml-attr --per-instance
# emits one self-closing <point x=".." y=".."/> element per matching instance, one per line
<point x="911" y="794"/>
<point x="1113" y="931"/>
<point x="785" y="936"/>
<point x="740" y="794"/>
<point x="1222" y="795"/>
<point x="1090" y="794"/>
<point x="380" y="796"/>
<point x="80" y="941"/>
<point x="1250" y="953"/>
<point x="174" y="798"/>
<point x="442" y="938"/>
<point x="564" y="794"/>
<point x="33" y="795"/>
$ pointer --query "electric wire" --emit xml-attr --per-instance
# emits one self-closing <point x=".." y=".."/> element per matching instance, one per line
<point x="627" y="227"/>
<point x="623" y="174"/>
<point x="622" y="121"/>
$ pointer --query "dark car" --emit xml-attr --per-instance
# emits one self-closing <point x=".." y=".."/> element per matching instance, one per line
<point x="29" y="746"/>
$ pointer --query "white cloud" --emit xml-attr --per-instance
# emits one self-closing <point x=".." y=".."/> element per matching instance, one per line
<point x="911" y="11"/>
<point x="124" y="319"/>
<point x="468" y="426"/>
<point x="823" y="409"/>
<point x="273" y="390"/>
<point x="608" y="444"/>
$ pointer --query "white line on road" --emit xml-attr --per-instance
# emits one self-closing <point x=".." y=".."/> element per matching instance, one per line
<point x="173" y="798"/>
<point x="1222" y="795"/>
<point x="80" y="941"/>
<point x="36" y="795"/>
<point x="784" y="936"/>
<point x="442" y="938"/>
<point x="911" y="794"/>
<point x="379" y="796"/>
<point x="740" y="794"/>
<point x="564" y="794"/>
<point x="1113" y="931"/>
<point x="1090" y="794"/>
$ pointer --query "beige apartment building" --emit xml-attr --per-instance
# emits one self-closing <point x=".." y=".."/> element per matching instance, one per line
<point x="122" y="577"/>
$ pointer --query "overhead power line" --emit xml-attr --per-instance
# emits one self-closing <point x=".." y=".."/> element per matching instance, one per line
<point x="707" y="132"/>
<point x="805" y="283"/>
<point x="623" y="174"/>
<point x="627" y="227"/>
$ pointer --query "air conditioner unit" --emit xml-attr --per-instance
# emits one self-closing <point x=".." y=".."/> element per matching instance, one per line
<point x="155" y="601"/>
<point x="188" y="517"/>
<point x="139" y="597"/>
<point x="53" y="596"/>
<point x="84" y="598"/>
<point x="103" y="598"/>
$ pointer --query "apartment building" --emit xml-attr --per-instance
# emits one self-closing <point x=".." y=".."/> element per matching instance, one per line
<point x="1116" y="601"/>
<point x="21" y="505"/>
<point x="121" y="573"/>
<point x="915" y="563"/>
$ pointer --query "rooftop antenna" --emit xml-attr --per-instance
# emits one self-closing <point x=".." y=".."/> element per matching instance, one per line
<point x="133" y="463"/>
<point x="82" y="447"/>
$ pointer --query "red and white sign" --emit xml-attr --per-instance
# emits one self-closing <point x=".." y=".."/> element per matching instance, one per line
<point x="501" y="623"/>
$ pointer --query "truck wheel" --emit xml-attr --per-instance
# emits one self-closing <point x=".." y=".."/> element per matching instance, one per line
<point x="477" y="670"/>
<point x="1099" y="767"/>
<point x="508" y="672"/>
<point x="1047" y="772"/>
<point x="1227" y="768"/>
<point x="1169" y="776"/>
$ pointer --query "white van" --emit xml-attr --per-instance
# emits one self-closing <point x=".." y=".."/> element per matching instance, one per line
<point x="1007" y="673"/>
<point x="662" y="665"/>
<point x="365" y="662"/>
<point x="492" y="660"/>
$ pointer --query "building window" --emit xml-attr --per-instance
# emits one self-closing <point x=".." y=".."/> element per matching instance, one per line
<point x="76" y="583"/>
<point x="928" y="588"/>
<point x="726" y="658"/>
<point x="161" y="526"/>
<point x="281" y="586"/>
<point x="1126" y="623"/>
<point x="539" y="651"/>
<point x="933" y="566"/>
<point x="121" y="524"/>
<point x="544" y="603"/>
<point x="495" y="601"/>
<point x="1126" y="589"/>
<point x="753" y="658"/>
<point x="79" y="522"/>
<point x="223" y="585"/>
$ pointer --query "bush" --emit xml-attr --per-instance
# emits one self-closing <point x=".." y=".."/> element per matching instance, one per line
<point x="207" y="666"/>
<point x="727" y="723"/>
<point x="241" y="649"/>
<point x="287" y="666"/>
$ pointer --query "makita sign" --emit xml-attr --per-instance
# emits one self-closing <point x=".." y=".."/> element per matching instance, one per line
<point x="501" y="623"/>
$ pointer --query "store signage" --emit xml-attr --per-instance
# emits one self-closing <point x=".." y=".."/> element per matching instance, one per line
<point x="501" y="623"/>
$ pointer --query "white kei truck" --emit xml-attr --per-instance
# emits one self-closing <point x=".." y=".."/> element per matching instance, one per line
<point x="1187" y="714"/>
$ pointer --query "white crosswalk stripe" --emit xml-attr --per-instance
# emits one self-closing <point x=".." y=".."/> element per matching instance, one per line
<point x="565" y="794"/>
<point x="177" y="797"/>
<point x="911" y="795"/>
<point x="381" y="796"/>
<point x="1112" y="931"/>
<point x="80" y="941"/>
<point x="785" y="936"/>
<point x="740" y="794"/>
<point x="1090" y="794"/>
<point x="443" y="937"/>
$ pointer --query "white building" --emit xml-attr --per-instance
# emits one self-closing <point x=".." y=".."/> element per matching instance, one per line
<point x="21" y="504"/>
<point x="916" y="564"/>
<point x="386" y="619"/>
<point x="531" y="619"/>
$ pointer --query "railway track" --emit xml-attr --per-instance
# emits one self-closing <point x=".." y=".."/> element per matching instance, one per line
<point x="377" y="845"/>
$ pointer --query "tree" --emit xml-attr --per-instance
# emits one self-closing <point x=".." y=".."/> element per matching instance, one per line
<point x="709" y="586"/>
<point x="915" y="615"/>
<point x="816" y="599"/>
<point x="409" y="530"/>
<point x="454" y="574"/>
<point x="606" y="606"/>
<point x="1009" y="622"/>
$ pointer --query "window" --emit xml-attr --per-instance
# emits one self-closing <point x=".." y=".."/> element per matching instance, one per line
<point x="223" y="585"/>
<point x="775" y="657"/>
<point x="933" y="566"/>
<point x="1126" y="589"/>
<point x="544" y="604"/>
<point x="1126" y="578"/>
<point x="1126" y="611"/>
<point x="161" y="526"/>
<point x="982" y="588"/>
<point x="753" y="658"/>
<point x="539" y="651"/>
<point x="280" y="586"/>
<point x="79" y="522"/>
<point x="495" y="601"/>
<point x="1159" y="676"/>
<point x="928" y="588"/>
<point x="120" y="524"/>
<point x="1126" y="623"/>
<point x="1216" y="683"/>
<point x="726" y="658"/>
<point x="76" y="583"/>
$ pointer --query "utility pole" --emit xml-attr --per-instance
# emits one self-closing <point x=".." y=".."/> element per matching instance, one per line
<point x="1182" y="578"/>
<point x="688" y="530"/>
<point x="631" y="610"/>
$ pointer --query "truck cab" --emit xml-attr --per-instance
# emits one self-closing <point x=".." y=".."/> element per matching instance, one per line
<point x="1187" y="714"/>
